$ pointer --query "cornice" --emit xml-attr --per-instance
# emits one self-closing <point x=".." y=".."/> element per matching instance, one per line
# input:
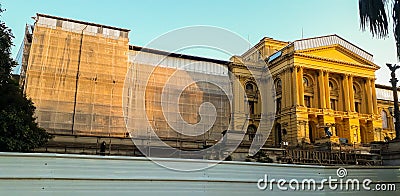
<point x="243" y="66"/>
<point x="335" y="61"/>
<point x="341" y="49"/>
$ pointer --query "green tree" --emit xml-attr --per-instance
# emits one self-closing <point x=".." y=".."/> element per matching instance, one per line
<point x="18" y="130"/>
<point x="375" y="15"/>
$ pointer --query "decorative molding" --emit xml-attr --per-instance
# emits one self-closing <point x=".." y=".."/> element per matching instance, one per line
<point x="336" y="61"/>
<point x="338" y="46"/>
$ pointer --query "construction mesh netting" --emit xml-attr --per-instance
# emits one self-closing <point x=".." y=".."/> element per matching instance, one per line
<point x="75" y="74"/>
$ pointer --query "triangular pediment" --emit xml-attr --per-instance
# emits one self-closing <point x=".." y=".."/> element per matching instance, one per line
<point x="334" y="48"/>
<point x="337" y="53"/>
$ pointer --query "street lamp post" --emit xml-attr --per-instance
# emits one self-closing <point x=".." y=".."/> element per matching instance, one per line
<point x="394" y="80"/>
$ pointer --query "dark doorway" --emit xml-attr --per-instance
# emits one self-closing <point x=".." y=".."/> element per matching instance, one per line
<point x="310" y="132"/>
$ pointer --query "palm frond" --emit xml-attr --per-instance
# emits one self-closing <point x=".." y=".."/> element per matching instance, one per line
<point x="396" y="25"/>
<point x="373" y="15"/>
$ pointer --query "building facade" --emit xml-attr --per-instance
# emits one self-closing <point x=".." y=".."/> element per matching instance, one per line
<point x="76" y="72"/>
<point x="325" y="86"/>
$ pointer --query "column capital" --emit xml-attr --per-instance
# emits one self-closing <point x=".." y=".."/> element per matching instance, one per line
<point x="294" y="68"/>
<point x="323" y="71"/>
<point x="297" y="66"/>
<point x="348" y="74"/>
<point x="327" y="73"/>
<point x="369" y="79"/>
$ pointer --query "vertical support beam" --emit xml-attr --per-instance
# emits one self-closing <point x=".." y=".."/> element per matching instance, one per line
<point x="294" y="84"/>
<point x="351" y="94"/>
<point x="321" y="89"/>
<point x="77" y="80"/>
<point x="346" y="93"/>
<point x="301" y="86"/>
<point x="327" y="93"/>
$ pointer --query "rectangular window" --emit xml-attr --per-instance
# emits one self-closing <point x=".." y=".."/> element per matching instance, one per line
<point x="251" y="107"/>
<point x="333" y="104"/>
<point x="278" y="104"/>
<point x="307" y="101"/>
<point x="357" y="106"/>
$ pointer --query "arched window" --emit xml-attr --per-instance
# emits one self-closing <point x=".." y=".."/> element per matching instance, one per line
<point x="249" y="87"/>
<point x="334" y="94"/>
<point x="306" y="82"/>
<point x="357" y="96"/>
<point x="331" y="87"/>
<point x="357" y="89"/>
<point x="384" y="119"/>
<point x="278" y="85"/>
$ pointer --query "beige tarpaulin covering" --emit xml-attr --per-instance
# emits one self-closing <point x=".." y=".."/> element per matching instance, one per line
<point x="69" y="100"/>
<point x="76" y="74"/>
<point x="177" y="97"/>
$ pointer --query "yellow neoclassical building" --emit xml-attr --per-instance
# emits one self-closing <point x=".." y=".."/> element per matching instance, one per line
<point x="325" y="86"/>
<point x="74" y="72"/>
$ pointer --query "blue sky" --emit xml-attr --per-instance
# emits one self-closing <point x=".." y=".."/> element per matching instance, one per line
<point x="253" y="20"/>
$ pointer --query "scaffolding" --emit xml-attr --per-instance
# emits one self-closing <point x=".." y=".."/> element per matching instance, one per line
<point x="166" y="94"/>
<point x="74" y="75"/>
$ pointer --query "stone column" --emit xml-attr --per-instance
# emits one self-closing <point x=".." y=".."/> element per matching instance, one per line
<point x="327" y="93"/>
<point x="285" y="89"/>
<point x="290" y="87"/>
<point x="301" y="86"/>
<point x="351" y="94"/>
<point x="374" y="100"/>
<point x="321" y="89"/>
<point x="238" y="105"/>
<point x="294" y="84"/>
<point x="346" y="93"/>
<point x="368" y="96"/>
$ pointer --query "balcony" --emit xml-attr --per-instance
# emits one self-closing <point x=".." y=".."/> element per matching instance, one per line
<point x="315" y="111"/>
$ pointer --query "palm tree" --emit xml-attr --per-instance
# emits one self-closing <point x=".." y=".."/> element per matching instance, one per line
<point x="374" y="14"/>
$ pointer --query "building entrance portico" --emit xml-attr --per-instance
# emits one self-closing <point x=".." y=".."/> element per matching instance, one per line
<point x="325" y="90"/>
